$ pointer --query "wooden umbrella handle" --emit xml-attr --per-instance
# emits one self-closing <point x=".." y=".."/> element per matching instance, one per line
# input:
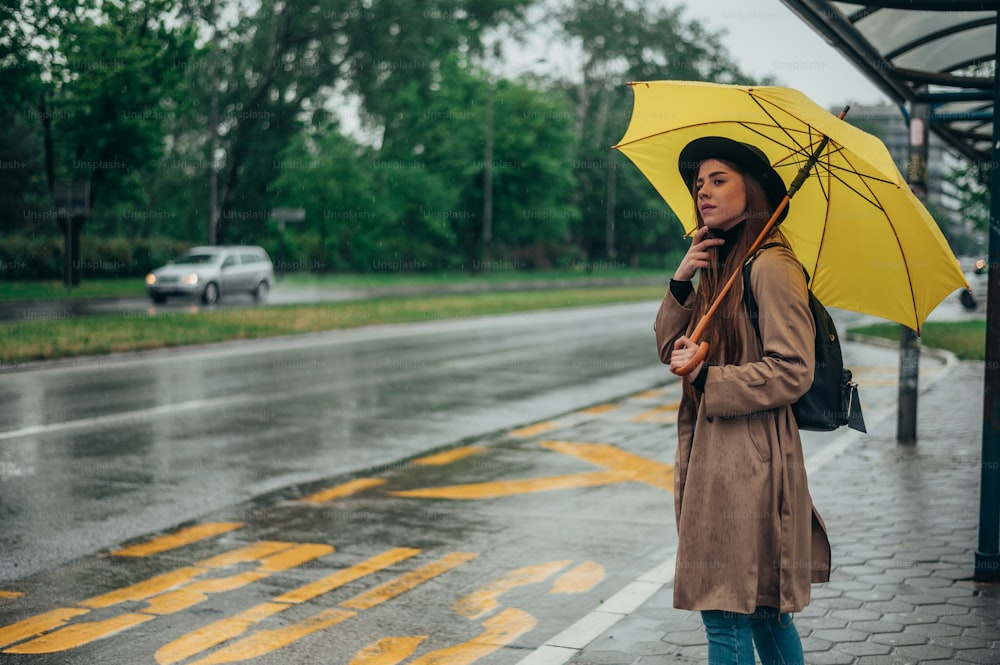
<point x="699" y="330"/>
<point x="699" y="356"/>
<point x="696" y="335"/>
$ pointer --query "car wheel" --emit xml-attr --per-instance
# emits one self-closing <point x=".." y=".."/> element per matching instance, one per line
<point x="210" y="295"/>
<point x="159" y="299"/>
<point x="261" y="292"/>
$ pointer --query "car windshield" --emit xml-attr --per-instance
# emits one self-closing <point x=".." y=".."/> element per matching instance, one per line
<point x="197" y="258"/>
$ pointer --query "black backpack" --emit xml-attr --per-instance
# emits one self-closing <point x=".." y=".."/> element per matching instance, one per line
<point x="832" y="401"/>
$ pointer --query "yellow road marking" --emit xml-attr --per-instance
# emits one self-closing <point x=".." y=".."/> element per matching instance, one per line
<point x="404" y="583"/>
<point x="220" y="631"/>
<point x="342" y="577"/>
<point x="388" y="650"/>
<point x="627" y="465"/>
<point x="538" y="428"/>
<point x="38" y="624"/>
<point x="75" y="635"/>
<point x="600" y="409"/>
<point x="266" y="641"/>
<point x="500" y="631"/>
<point x="502" y="488"/>
<point x="197" y="592"/>
<point x="346" y="489"/>
<point x="580" y="579"/>
<point x="215" y="633"/>
<point x="650" y="394"/>
<point x="186" y="536"/>
<point x="665" y="413"/>
<point x="448" y="456"/>
<point x="868" y="381"/>
<point x="621" y="467"/>
<point x="146" y="588"/>
<point x="164" y="598"/>
<point x="167" y="581"/>
<point x="872" y="369"/>
<point x="11" y="594"/>
<point x="484" y="600"/>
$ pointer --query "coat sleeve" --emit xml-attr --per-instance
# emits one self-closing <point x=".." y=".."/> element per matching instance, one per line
<point x="787" y="332"/>
<point x="671" y="321"/>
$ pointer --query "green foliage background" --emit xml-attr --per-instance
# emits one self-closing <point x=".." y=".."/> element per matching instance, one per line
<point x="119" y="94"/>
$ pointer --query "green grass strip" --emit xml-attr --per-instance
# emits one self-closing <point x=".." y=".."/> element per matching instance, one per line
<point x="69" y="337"/>
<point x="55" y="290"/>
<point x="966" y="339"/>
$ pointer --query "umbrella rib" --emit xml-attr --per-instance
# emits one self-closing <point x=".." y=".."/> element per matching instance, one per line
<point x="873" y="200"/>
<point x="781" y="126"/>
<point x="803" y="149"/>
<point x="798" y="149"/>
<point x="840" y="150"/>
<point x="899" y="245"/>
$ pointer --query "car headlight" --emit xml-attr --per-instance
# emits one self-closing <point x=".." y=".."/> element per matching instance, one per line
<point x="190" y="279"/>
<point x="150" y="279"/>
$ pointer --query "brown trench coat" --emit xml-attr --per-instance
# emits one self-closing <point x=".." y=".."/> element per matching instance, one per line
<point x="748" y="533"/>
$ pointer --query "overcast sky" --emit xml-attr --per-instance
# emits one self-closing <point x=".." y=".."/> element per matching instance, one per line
<point x="764" y="37"/>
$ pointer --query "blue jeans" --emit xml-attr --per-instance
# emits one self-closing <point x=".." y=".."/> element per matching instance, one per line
<point x="732" y="636"/>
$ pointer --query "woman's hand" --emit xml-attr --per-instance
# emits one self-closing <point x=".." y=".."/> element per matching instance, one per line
<point x="684" y="350"/>
<point x="697" y="255"/>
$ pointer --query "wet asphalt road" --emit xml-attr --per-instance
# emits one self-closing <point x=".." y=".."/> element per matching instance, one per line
<point x="102" y="450"/>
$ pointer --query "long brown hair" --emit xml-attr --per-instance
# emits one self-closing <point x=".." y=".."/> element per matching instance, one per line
<point x="725" y="334"/>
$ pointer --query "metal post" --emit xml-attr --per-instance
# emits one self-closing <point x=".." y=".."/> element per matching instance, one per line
<point x="72" y="202"/>
<point x="609" y="208"/>
<point x="987" y="566"/>
<point x="909" y="343"/>
<point x="488" y="178"/>
<point x="213" y="133"/>
<point x="282" y="215"/>
<point x="281" y="260"/>
<point x="69" y="253"/>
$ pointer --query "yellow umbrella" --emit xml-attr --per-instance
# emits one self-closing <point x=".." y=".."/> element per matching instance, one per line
<point x="867" y="242"/>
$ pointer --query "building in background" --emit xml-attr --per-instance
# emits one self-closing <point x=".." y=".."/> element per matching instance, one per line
<point x="889" y="124"/>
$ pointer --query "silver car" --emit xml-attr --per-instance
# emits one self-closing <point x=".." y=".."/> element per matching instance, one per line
<point x="210" y="272"/>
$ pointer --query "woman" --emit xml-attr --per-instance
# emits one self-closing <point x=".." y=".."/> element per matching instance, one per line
<point x="750" y="543"/>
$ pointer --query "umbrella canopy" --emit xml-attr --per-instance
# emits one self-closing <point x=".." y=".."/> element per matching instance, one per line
<point x="867" y="242"/>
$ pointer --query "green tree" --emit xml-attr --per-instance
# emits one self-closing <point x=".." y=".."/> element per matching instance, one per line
<point x="533" y="178"/>
<point x="971" y="182"/>
<point x="331" y="177"/>
<point x="531" y="169"/>
<point x="283" y="64"/>
<point x="23" y="194"/>
<point x="99" y="87"/>
<point x="626" y="41"/>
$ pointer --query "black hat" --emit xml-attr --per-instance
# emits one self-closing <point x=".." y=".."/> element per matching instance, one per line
<point x="750" y="159"/>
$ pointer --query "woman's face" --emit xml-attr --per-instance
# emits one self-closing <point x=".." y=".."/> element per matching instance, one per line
<point x="720" y="194"/>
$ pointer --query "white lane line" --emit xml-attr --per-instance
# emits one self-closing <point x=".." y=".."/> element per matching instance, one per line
<point x="125" y="416"/>
<point x="573" y="639"/>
